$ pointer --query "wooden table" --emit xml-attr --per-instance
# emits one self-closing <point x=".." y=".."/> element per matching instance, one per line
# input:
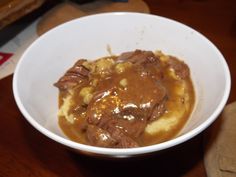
<point x="26" y="152"/>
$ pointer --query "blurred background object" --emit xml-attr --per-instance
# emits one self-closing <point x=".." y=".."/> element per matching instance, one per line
<point x="16" y="15"/>
<point x="11" y="10"/>
<point x="68" y="10"/>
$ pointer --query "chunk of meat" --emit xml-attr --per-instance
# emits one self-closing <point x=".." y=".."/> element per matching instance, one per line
<point x="133" y="128"/>
<point x="158" y="110"/>
<point x="112" y="137"/>
<point x="138" y="57"/>
<point x="146" y="62"/>
<point x="117" y="124"/>
<point x="75" y="75"/>
<point x="180" y="68"/>
<point x="106" y="111"/>
<point x="123" y="141"/>
<point x="124" y="125"/>
<point x="79" y="68"/>
<point x="99" y="137"/>
<point x="126" y="112"/>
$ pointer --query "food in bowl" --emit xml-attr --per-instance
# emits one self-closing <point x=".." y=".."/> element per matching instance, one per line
<point x="138" y="98"/>
<point x="46" y="59"/>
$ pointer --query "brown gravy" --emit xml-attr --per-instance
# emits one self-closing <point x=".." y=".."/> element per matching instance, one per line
<point x="136" y="99"/>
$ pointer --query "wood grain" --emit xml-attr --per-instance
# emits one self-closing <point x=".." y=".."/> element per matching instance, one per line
<point x="26" y="152"/>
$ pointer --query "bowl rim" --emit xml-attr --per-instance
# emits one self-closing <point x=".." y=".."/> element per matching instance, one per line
<point x="127" y="152"/>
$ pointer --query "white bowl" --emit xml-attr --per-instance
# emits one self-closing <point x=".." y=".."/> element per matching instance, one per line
<point x="53" y="53"/>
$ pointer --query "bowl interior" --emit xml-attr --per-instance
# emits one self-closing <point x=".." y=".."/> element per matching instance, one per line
<point x="53" y="53"/>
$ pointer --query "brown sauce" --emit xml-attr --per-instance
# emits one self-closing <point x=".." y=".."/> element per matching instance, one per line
<point x="136" y="99"/>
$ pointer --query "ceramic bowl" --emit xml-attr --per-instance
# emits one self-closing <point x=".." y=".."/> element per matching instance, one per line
<point x="47" y="59"/>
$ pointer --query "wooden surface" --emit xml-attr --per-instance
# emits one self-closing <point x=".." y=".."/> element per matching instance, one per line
<point x="25" y="152"/>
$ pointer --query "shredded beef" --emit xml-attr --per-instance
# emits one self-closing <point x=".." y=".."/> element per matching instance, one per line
<point x="125" y="126"/>
<point x="111" y="136"/>
<point x="99" y="137"/>
<point x="180" y="68"/>
<point x="138" y="57"/>
<point x="123" y="140"/>
<point x="75" y="75"/>
<point x="158" y="110"/>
